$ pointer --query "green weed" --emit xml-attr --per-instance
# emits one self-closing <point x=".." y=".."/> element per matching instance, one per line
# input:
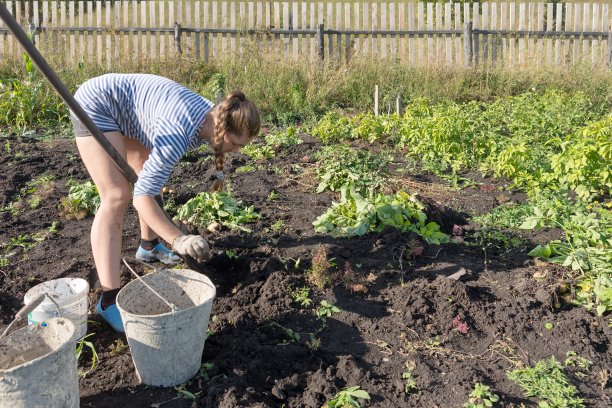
<point x="481" y="397"/>
<point x="326" y="309"/>
<point x="81" y="345"/>
<point x="221" y="207"/>
<point x="302" y="296"/>
<point x="83" y="199"/>
<point x="347" y="398"/>
<point x="547" y="382"/>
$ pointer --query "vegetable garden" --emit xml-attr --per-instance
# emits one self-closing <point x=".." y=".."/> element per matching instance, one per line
<point x="458" y="254"/>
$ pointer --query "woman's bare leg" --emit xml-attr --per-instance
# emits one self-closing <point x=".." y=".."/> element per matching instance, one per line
<point x="136" y="156"/>
<point x="115" y="196"/>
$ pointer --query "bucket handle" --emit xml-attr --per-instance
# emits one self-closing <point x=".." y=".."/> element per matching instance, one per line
<point x="23" y="312"/>
<point x="172" y="306"/>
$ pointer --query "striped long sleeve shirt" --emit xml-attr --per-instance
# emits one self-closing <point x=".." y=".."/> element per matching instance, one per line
<point x="157" y="112"/>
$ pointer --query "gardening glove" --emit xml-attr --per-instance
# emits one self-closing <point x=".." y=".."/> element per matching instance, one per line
<point x="194" y="246"/>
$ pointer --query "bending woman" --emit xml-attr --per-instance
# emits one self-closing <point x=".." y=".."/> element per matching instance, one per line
<point x="152" y="122"/>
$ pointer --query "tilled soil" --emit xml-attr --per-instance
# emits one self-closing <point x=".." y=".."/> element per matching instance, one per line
<point x="397" y="301"/>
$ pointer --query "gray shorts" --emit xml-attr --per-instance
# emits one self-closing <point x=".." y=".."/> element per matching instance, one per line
<point x="81" y="131"/>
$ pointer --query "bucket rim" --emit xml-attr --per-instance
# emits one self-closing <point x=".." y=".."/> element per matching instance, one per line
<point x="54" y="321"/>
<point x="38" y="289"/>
<point x="165" y="271"/>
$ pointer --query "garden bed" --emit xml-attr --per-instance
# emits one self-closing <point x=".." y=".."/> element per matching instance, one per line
<point x="408" y="332"/>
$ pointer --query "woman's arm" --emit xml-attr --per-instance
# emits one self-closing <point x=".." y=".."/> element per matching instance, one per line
<point x="149" y="210"/>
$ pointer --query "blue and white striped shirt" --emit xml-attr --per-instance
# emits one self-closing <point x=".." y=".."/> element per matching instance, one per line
<point x="158" y="112"/>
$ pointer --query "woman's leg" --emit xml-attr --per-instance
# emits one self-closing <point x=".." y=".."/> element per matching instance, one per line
<point x="115" y="196"/>
<point x="137" y="154"/>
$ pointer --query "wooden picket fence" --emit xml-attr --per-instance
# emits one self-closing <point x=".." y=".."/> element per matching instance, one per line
<point x="417" y="33"/>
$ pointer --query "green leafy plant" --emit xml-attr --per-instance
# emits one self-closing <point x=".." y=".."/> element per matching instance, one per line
<point x="258" y="152"/>
<point x="82" y="200"/>
<point x="219" y="207"/>
<point x="409" y="381"/>
<point x="356" y="215"/>
<point x="342" y="167"/>
<point x="481" y="397"/>
<point x="302" y="296"/>
<point x="283" y="139"/>
<point x="547" y="382"/>
<point x="326" y="309"/>
<point x="347" y="398"/>
<point x="84" y="343"/>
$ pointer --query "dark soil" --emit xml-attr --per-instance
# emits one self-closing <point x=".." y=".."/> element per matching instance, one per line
<point x="397" y="302"/>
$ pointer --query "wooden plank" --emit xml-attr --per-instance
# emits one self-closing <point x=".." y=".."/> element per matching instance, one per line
<point x="549" y="27"/>
<point x="232" y="25"/>
<point x="558" y="27"/>
<point x="607" y="25"/>
<point x="206" y="22"/>
<point x="329" y="23"/>
<point x="577" y="26"/>
<point x="161" y="15"/>
<point x="458" y="25"/>
<point x="393" y="27"/>
<point x="135" y="36"/>
<point x="568" y="26"/>
<point x="45" y="39"/>
<point x="522" y="26"/>
<point x="541" y="26"/>
<point x="476" y="42"/>
<point x="10" y="46"/>
<point x="494" y="38"/>
<point x="438" y="19"/>
<point x="485" y="38"/>
<point x="214" y="23"/>
<point x="430" y="40"/>
<point x="143" y="23"/>
<point x="98" y="35"/>
<point x="367" y="25"/>
<point x="421" y="41"/>
<point x="597" y="26"/>
<point x="285" y="25"/>
<point x="125" y="12"/>
<point x="197" y="17"/>
<point x="64" y="36"/>
<point x="36" y="21"/>
<point x="348" y="24"/>
<point x="54" y="22"/>
<point x="587" y="25"/>
<point x="187" y="21"/>
<point x="402" y="42"/>
<point x="108" y="36"/>
<point x="153" y="48"/>
<point x="384" y="44"/>
<point x="448" y="41"/>
<point x="277" y="44"/>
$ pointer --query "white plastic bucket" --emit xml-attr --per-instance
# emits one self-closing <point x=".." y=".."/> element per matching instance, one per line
<point x="38" y="366"/>
<point x="70" y="294"/>
<point x="167" y="346"/>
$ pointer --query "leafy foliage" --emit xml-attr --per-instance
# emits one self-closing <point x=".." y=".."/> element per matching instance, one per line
<point x="347" y="398"/>
<point x="344" y="167"/>
<point x="547" y="382"/>
<point x="82" y="200"/>
<point x="481" y="397"/>
<point x="219" y="207"/>
<point x="356" y="215"/>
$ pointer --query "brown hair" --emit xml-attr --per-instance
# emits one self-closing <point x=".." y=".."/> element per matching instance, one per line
<point x="236" y="114"/>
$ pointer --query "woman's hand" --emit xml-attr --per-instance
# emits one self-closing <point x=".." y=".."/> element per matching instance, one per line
<point x="194" y="246"/>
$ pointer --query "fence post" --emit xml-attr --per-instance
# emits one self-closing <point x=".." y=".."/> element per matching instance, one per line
<point x="376" y="100"/>
<point x="610" y="49"/>
<point x="321" y="42"/>
<point x="398" y="105"/>
<point x="467" y="44"/>
<point x="177" y="37"/>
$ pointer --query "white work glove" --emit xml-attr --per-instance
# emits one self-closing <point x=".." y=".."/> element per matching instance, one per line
<point x="194" y="246"/>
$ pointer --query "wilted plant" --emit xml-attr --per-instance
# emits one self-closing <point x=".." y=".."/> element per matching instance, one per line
<point x="320" y="274"/>
<point x="81" y="344"/>
<point x="83" y="200"/>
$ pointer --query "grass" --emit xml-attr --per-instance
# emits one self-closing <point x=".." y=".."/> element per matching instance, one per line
<point x="288" y="92"/>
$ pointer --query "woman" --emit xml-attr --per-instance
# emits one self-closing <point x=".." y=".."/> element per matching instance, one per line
<point x="152" y="122"/>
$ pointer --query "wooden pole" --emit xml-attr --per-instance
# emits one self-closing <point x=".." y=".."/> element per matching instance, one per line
<point x="376" y="100"/>
<point x="467" y="44"/>
<point x="610" y="49"/>
<point x="398" y="106"/>
<point x="321" y="42"/>
<point x="177" y="37"/>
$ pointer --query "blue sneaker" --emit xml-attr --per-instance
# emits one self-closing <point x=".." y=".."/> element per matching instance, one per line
<point x="111" y="316"/>
<point x="159" y="253"/>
